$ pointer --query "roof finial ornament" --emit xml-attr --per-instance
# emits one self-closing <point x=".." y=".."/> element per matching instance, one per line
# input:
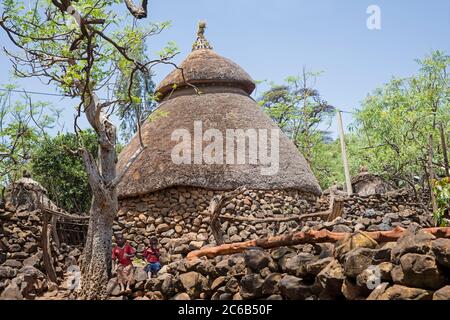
<point x="201" y="42"/>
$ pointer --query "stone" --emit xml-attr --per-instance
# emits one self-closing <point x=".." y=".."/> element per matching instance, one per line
<point x="181" y="296"/>
<point x="324" y="250"/>
<point x="232" y="286"/>
<point x="380" y="227"/>
<point x="195" y="245"/>
<point x="331" y="278"/>
<point x="12" y="263"/>
<point x="383" y="254"/>
<point x="275" y="297"/>
<point x="75" y="253"/>
<point x="7" y="272"/>
<point x="398" y="292"/>
<point x="19" y="255"/>
<point x="217" y="283"/>
<point x="418" y="271"/>
<point x="342" y="228"/>
<point x="113" y="287"/>
<point x="33" y="261"/>
<point x="251" y="286"/>
<point x="296" y="265"/>
<point x="293" y="288"/>
<point x="278" y="253"/>
<point x="357" y="261"/>
<point x="30" y="247"/>
<point x="256" y="259"/>
<point x="352" y="291"/>
<point x="11" y="292"/>
<point x="141" y="207"/>
<point x="442" y="294"/>
<point x="355" y="241"/>
<point x="163" y="227"/>
<point x="441" y="250"/>
<point x="270" y="285"/>
<point x="232" y="231"/>
<point x="193" y="283"/>
<point x="314" y="267"/>
<point x="412" y="242"/>
<point x="14" y="248"/>
<point x="235" y="238"/>
<point x="380" y="289"/>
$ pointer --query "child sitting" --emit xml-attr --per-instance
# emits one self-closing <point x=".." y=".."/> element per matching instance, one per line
<point x="122" y="254"/>
<point x="151" y="255"/>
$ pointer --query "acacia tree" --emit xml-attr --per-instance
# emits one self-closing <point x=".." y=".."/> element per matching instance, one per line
<point x="21" y="124"/>
<point x="80" y="46"/>
<point x="302" y="113"/>
<point x="401" y="122"/>
<point x="299" y="110"/>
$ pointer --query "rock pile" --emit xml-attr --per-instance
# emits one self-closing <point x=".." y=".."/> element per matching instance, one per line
<point x="22" y="272"/>
<point x="416" y="267"/>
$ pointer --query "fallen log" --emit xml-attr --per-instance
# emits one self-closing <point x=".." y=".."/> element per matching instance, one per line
<point x="312" y="236"/>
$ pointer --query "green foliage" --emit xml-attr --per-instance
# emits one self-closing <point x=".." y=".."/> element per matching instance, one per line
<point x="395" y="122"/>
<point x="301" y="112"/>
<point x="441" y="189"/>
<point x="22" y="125"/>
<point x="62" y="172"/>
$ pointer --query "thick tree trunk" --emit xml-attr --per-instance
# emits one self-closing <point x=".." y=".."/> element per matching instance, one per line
<point x="96" y="260"/>
<point x="96" y="264"/>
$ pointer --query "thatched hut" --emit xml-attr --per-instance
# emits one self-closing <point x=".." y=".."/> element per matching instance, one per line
<point x="166" y="198"/>
<point x="367" y="184"/>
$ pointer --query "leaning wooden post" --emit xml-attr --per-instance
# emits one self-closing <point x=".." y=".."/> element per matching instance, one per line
<point x="348" y="181"/>
<point x="431" y="173"/>
<point x="46" y="248"/>
<point x="216" y="226"/>
<point x="444" y="150"/>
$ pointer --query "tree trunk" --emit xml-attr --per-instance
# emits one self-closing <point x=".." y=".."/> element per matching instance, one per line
<point x="96" y="262"/>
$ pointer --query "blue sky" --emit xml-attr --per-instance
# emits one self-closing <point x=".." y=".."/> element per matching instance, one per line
<point x="274" y="39"/>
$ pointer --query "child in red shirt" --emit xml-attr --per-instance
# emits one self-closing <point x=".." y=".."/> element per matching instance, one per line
<point x="122" y="255"/>
<point x="151" y="255"/>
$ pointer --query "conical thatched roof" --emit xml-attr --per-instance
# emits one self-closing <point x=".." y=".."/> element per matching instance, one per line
<point x="215" y="91"/>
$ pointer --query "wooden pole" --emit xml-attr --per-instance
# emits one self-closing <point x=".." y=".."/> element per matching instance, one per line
<point x="348" y="181"/>
<point x="46" y="249"/>
<point x="431" y="173"/>
<point x="444" y="150"/>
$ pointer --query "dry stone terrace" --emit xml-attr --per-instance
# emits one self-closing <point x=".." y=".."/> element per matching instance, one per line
<point x="175" y="216"/>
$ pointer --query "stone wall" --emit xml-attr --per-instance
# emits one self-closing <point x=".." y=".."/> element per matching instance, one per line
<point x="174" y="215"/>
<point x="22" y="272"/>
